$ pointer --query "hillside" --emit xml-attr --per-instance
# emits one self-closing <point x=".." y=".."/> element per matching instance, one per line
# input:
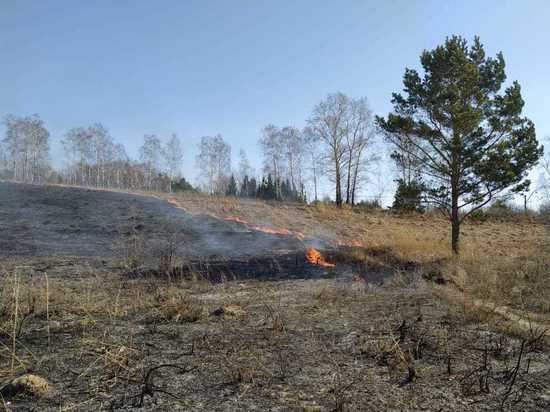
<point x="187" y="302"/>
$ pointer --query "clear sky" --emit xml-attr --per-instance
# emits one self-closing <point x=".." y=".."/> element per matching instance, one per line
<point x="204" y="67"/>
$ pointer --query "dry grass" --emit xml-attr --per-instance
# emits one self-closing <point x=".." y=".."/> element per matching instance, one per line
<point x="308" y="345"/>
<point x="502" y="260"/>
<point x="177" y="306"/>
<point x="419" y="237"/>
<point x="83" y="301"/>
<point x="521" y="283"/>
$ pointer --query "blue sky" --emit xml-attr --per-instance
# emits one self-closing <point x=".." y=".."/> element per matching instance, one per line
<point x="204" y="67"/>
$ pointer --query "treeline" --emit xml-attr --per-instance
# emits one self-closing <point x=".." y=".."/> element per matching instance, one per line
<point x="336" y="145"/>
<point x="267" y="189"/>
<point x="92" y="158"/>
<point x="95" y="159"/>
<point x="24" y="155"/>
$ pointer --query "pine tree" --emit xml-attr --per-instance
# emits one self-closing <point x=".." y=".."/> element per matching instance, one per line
<point x="231" y="187"/>
<point x="408" y="196"/>
<point x="271" y="188"/>
<point x="468" y="136"/>
<point x="183" y="186"/>
<point x="252" y="188"/>
<point x="243" y="192"/>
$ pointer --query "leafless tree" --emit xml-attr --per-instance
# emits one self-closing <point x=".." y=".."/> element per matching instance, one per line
<point x="76" y="144"/>
<point x="26" y="146"/>
<point x="542" y="188"/>
<point x="118" y="166"/>
<point x="344" y="126"/>
<point x="173" y="156"/>
<point x="150" y="154"/>
<point x="92" y="157"/>
<point x="293" y="145"/>
<point x="3" y="159"/>
<point x="284" y="153"/>
<point x="314" y="158"/>
<point x="545" y="167"/>
<point x="214" y="163"/>
<point x="329" y="123"/>
<point x="244" y="168"/>
<point x="102" y="149"/>
<point x="358" y="139"/>
<point x="271" y="144"/>
<point x="90" y="152"/>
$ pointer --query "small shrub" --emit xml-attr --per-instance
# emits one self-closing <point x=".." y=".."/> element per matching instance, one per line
<point x="242" y="365"/>
<point x="130" y="248"/>
<point x="178" y="307"/>
<point x="544" y="212"/>
<point x="369" y="204"/>
<point x="408" y="197"/>
<point x="479" y="216"/>
<point x="183" y="186"/>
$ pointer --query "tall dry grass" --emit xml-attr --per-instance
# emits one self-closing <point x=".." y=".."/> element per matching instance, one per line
<point x="30" y="304"/>
<point x="501" y="261"/>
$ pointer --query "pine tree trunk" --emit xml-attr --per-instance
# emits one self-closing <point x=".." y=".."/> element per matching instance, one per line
<point x="455" y="218"/>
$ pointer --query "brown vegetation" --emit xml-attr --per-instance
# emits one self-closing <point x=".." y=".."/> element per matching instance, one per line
<point x="502" y="259"/>
<point x="433" y="335"/>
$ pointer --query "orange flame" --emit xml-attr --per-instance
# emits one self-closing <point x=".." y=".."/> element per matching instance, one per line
<point x="175" y="203"/>
<point x="235" y="219"/>
<point x="278" y="231"/>
<point x="314" y="256"/>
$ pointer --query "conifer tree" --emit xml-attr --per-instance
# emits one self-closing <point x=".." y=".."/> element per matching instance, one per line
<point x="468" y="135"/>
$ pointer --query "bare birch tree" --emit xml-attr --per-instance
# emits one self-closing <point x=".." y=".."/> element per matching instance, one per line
<point x="293" y="145"/>
<point x="150" y="154"/>
<point x="314" y="156"/>
<point x="77" y="146"/>
<point x="272" y="149"/>
<point x="26" y="146"/>
<point x="173" y="156"/>
<point x="244" y="169"/>
<point x="329" y="123"/>
<point x="214" y="163"/>
<point x="358" y="139"/>
<point x="101" y="147"/>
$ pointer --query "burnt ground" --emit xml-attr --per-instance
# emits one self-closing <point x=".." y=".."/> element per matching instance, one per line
<point x="114" y="333"/>
<point x="145" y="231"/>
<point x="61" y="221"/>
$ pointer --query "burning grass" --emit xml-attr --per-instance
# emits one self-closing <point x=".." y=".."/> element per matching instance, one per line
<point x="418" y="237"/>
<point x="492" y="251"/>
<point x="315" y="257"/>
